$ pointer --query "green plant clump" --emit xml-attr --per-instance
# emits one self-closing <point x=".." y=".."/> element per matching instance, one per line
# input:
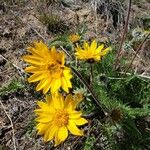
<point x="13" y="86"/>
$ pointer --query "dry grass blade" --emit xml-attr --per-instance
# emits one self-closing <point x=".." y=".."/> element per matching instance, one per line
<point x="137" y="51"/>
<point x="14" y="65"/>
<point x="13" y="133"/>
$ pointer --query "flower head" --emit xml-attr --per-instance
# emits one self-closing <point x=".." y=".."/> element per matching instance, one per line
<point x="74" y="38"/>
<point x="91" y="52"/>
<point x="48" y="68"/>
<point x="56" y="116"/>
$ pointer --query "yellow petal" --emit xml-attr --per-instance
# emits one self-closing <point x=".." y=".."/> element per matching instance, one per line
<point x="42" y="128"/>
<point x="73" y="101"/>
<point x="31" y="69"/>
<point x="53" y="49"/>
<point x="67" y="74"/>
<point x="41" y="48"/>
<point x="78" y="97"/>
<point x="93" y="45"/>
<point x="41" y="84"/>
<point x="62" y="134"/>
<point x="64" y="84"/>
<point x="45" y="118"/>
<point x="69" y="108"/>
<point x="75" y="114"/>
<point x="45" y="107"/>
<point x="73" y="128"/>
<point x="78" y="48"/>
<point x="105" y="51"/>
<point x="60" y="58"/>
<point x="38" y="49"/>
<point x="52" y="131"/>
<point x="86" y="45"/>
<point x="33" y="51"/>
<point x="56" y="139"/>
<point x="58" y="101"/>
<point x="55" y="85"/>
<point x="42" y="105"/>
<point x="99" y="49"/>
<point x="47" y="86"/>
<point x="49" y="100"/>
<point x="97" y="58"/>
<point x="63" y="59"/>
<point x="40" y="111"/>
<point x="32" y="57"/>
<point x="36" y="77"/>
<point x="80" y="121"/>
<point x="33" y="61"/>
<point x="68" y="100"/>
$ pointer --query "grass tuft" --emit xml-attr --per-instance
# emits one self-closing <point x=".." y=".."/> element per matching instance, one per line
<point x="13" y="86"/>
<point x="54" y="23"/>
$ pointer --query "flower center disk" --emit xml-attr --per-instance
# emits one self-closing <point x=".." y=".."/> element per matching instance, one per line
<point x="55" y="70"/>
<point x="61" y="118"/>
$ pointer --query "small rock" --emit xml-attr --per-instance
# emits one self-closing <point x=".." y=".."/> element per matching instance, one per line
<point x="7" y="33"/>
<point x="2" y="61"/>
<point x="68" y="3"/>
<point x="71" y="4"/>
<point x="2" y="8"/>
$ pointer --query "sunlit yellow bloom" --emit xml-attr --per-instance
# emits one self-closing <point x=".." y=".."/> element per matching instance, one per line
<point x="74" y="38"/>
<point x="56" y="116"/>
<point x="91" y="52"/>
<point x="48" y="68"/>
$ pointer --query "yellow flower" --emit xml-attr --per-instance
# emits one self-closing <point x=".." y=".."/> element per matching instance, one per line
<point x="56" y="116"/>
<point x="91" y="52"/>
<point x="48" y="68"/>
<point x="74" y="38"/>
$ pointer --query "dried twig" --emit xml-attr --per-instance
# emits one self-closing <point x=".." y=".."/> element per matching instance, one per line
<point x="37" y="33"/>
<point x="137" y="51"/>
<point x="14" y="65"/>
<point x="96" y="18"/>
<point x="123" y="36"/>
<point x="65" y="51"/>
<point x="139" y="75"/>
<point x="13" y="136"/>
